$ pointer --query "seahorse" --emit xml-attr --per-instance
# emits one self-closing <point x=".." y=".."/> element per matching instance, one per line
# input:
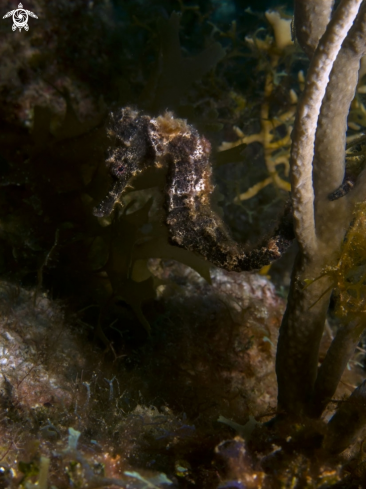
<point x="140" y="142"/>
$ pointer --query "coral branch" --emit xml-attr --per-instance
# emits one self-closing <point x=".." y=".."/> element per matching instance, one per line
<point x="311" y="20"/>
<point x="306" y="122"/>
<point x="303" y="323"/>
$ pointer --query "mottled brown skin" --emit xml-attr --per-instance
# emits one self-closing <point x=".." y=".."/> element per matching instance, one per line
<point x="164" y="142"/>
<point x="130" y="154"/>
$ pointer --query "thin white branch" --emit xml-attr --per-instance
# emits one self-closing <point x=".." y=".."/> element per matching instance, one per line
<point x="311" y="20"/>
<point x="303" y="135"/>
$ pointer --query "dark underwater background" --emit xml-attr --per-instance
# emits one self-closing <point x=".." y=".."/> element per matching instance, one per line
<point x="106" y="328"/>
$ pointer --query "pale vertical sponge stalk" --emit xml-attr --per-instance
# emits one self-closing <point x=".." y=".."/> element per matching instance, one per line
<point x="306" y="123"/>
<point x="329" y="159"/>
<point x="333" y="218"/>
<point x="303" y="322"/>
<point x="311" y="20"/>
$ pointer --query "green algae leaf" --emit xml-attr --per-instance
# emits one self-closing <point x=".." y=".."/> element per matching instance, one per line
<point x="71" y="126"/>
<point x="152" y="482"/>
<point x="232" y="155"/>
<point x="175" y="73"/>
<point x="160" y="248"/>
<point x="124" y="231"/>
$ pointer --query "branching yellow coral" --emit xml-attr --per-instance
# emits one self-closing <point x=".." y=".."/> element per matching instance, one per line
<point x="276" y="148"/>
